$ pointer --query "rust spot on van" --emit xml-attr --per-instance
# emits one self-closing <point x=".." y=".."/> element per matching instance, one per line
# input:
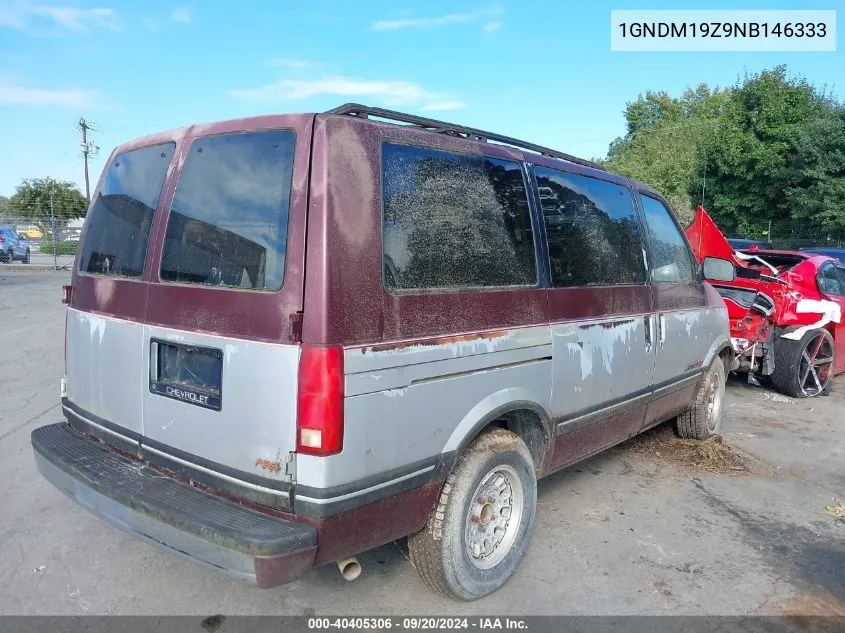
<point x="614" y="324"/>
<point x="441" y="340"/>
<point x="266" y="464"/>
<point x="696" y="365"/>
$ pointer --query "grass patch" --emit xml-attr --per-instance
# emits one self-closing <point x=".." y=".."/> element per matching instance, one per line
<point x="712" y="456"/>
<point x="62" y="248"/>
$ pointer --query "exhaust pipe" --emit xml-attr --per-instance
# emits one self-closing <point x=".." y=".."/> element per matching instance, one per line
<point x="349" y="568"/>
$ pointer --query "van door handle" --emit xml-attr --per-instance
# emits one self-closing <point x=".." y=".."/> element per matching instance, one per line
<point x="661" y="329"/>
<point x="649" y="334"/>
<point x="153" y="361"/>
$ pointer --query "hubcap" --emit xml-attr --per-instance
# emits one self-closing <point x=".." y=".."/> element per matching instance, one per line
<point x="494" y="515"/>
<point x="715" y="397"/>
<point x="815" y="367"/>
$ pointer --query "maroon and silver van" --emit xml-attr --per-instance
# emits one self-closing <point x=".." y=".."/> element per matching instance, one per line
<point x="294" y="338"/>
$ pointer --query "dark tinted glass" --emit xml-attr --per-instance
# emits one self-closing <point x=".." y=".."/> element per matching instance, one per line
<point x="831" y="281"/>
<point x="120" y="218"/>
<point x="454" y="221"/>
<point x="592" y="229"/>
<point x="229" y="218"/>
<point x="672" y="262"/>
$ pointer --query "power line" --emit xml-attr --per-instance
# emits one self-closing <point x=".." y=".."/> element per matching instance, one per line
<point x="89" y="150"/>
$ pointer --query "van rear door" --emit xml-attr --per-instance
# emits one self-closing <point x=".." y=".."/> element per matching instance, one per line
<point x="104" y="337"/>
<point x="225" y="292"/>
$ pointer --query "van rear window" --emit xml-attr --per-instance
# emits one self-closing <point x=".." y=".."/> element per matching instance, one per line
<point x="120" y="218"/>
<point x="229" y="218"/>
<point x="454" y="221"/>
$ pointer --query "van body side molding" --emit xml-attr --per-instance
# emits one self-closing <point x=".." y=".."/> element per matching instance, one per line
<point x="583" y="419"/>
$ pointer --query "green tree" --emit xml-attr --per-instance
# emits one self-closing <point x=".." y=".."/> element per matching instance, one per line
<point x="32" y="199"/>
<point x="4" y="206"/>
<point x="665" y="141"/>
<point x="815" y="189"/>
<point x="776" y="155"/>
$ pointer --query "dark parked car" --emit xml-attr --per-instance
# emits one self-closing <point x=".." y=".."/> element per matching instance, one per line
<point x="12" y="246"/>
<point x="738" y="243"/>
<point x="830" y="251"/>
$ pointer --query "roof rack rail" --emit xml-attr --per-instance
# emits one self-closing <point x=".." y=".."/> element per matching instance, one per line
<point x="452" y="129"/>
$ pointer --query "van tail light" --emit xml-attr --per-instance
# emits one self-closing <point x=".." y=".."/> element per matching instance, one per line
<point x="2" y="239"/>
<point x="319" y="419"/>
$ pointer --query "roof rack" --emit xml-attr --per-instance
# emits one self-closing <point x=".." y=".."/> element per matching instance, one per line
<point x="441" y="127"/>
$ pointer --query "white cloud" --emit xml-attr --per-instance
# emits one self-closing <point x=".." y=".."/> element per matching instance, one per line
<point x="13" y="17"/>
<point x="79" y="19"/>
<point x="20" y="16"/>
<point x="288" y="62"/>
<point x="492" y="27"/>
<point x="12" y="94"/>
<point x="390" y="92"/>
<point x="443" y="20"/>
<point x="182" y="14"/>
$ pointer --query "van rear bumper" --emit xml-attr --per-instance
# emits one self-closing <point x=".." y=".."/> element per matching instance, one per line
<point x="175" y="516"/>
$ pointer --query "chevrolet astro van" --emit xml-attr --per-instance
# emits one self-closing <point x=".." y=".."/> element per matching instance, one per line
<point x="291" y="339"/>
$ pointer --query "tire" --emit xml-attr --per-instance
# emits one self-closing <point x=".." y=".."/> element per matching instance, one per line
<point x="704" y="418"/>
<point x="9" y="257"/>
<point x="792" y="376"/>
<point x="473" y="498"/>
<point x="26" y="258"/>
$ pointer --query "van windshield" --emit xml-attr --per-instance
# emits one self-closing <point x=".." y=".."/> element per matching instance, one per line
<point x="229" y="218"/>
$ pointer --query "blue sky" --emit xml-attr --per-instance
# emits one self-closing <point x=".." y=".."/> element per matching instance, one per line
<point x="538" y="70"/>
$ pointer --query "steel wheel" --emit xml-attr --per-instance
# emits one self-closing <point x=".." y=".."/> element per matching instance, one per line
<point x="493" y="518"/>
<point x="715" y="397"/>
<point x="816" y="365"/>
<point x="704" y="418"/>
<point x="479" y="530"/>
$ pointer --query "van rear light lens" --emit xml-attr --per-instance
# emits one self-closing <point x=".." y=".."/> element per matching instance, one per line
<point x="319" y="420"/>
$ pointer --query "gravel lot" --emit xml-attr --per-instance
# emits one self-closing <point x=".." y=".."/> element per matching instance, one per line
<point x="655" y="526"/>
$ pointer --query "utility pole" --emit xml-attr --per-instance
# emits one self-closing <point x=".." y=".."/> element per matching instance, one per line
<point x="89" y="149"/>
<point x="53" y="230"/>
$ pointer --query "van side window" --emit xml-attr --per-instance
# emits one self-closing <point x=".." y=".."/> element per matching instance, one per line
<point x="229" y="218"/>
<point x="122" y="212"/>
<point x="454" y="221"/>
<point x="671" y="257"/>
<point x="592" y="229"/>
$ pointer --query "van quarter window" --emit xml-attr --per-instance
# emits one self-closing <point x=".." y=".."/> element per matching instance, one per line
<point x="229" y="218"/>
<point x="454" y="221"/>
<point x="593" y="232"/>
<point x="122" y="213"/>
<point x="672" y="262"/>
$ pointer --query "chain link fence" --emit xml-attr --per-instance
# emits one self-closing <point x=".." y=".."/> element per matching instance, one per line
<point x="795" y="235"/>
<point x="48" y="239"/>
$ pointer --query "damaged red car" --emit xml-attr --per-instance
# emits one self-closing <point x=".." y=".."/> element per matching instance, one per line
<point x="785" y="309"/>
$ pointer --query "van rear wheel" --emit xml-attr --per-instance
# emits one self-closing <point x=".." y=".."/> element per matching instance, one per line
<point x="479" y="530"/>
<point x="704" y="418"/>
